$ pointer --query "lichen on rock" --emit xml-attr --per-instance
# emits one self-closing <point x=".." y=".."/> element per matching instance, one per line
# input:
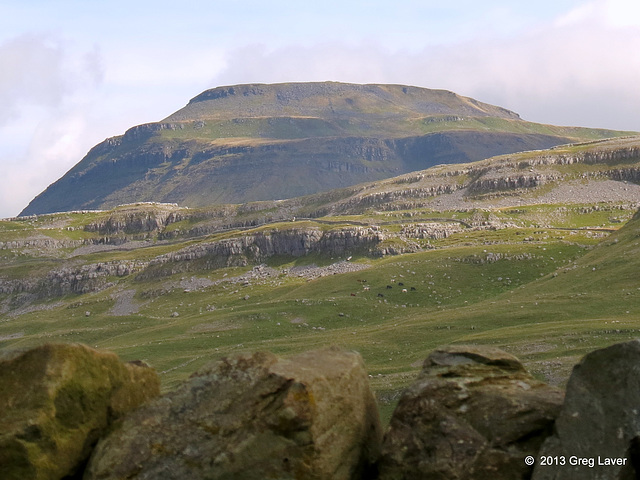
<point x="56" y="401"/>
<point x="473" y="413"/>
<point x="252" y="416"/>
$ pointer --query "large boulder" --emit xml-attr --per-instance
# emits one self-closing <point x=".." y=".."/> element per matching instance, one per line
<point x="55" y="403"/>
<point x="598" y="430"/>
<point x="252" y="417"/>
<point x="473" y="413"/>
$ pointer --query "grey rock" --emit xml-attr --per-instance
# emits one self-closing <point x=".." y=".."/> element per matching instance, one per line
<point x="600" y="418"/>
<point x="469" y="355"/>
<point x="473" y="413"/>
<point x="252" y="417"/>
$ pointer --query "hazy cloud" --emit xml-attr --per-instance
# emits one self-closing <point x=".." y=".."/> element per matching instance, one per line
<point x="59" y="99"/>
<point x="45" y="96"/>
<point x="30" y="74"/>
<point x="581" y="70"/>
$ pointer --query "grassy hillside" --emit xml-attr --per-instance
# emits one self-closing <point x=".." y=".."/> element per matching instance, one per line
<point x="541" y="299"/>
<point x="506" y="266"/>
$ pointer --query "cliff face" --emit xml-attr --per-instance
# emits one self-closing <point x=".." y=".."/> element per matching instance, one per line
<point x="263" y="142"/>
<point x="294" y="242"/>
<point x="237" y="251"/>
<point x="135" y="220"/>
<point x="68" y="280"/>
<point x="194" y="174"/>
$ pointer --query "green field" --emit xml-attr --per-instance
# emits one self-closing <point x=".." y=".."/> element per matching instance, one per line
<point x="547" y="294"/>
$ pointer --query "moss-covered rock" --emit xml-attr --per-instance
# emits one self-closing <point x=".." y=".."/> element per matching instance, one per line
<point x="55" y="403"/>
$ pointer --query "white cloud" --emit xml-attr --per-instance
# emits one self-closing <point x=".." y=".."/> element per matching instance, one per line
<point x="144" y="66"/>
<point x="31" y="74"/>
<point x="622" y="13"/>
<point x="608" y="13"/>
<point x="572" y="73"/>
<point x="45" y="94"/>
<point x="577" y="15"/>
<point x="54" y="140"/>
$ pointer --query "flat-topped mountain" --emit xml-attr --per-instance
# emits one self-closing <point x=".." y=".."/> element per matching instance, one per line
<point x="255" y="142"/>
<point x="332" y="101"/>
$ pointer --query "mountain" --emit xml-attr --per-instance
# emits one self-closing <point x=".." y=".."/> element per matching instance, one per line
<point x="257" y="142"/>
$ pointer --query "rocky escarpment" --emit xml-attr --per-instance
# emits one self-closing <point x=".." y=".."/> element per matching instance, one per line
<point x="610" y="156"/>
<point x="254" y="248"/>
<point x="473" y="413"/>
<point x="241" y="250"/>
<point x="489" y="183"/>
<point x="591" y="165"/>
<point x="132" y="219"/>
<point x="251" y="173"/>
<point x="388" y="200"/>
<point x="295" y="227"/>
<point x="601" y="171"/>
<point x="430" y="230"/>
<point x="513" y="173"/>
<point x="72" y="280"/>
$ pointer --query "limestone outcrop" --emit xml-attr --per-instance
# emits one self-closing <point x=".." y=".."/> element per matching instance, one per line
<point x="252" y="417"/>
<point x="255" y="248"/>
<point x="236" y="251"/>
<point x="473" y="413"/>
<point x="135" y="220"/>
<point x="56" y="401"/>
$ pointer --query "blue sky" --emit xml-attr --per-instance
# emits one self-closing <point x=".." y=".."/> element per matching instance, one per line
<point x="73" y="73"/>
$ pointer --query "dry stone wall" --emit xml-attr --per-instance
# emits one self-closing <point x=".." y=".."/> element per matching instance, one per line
<point x="473" y="413"/>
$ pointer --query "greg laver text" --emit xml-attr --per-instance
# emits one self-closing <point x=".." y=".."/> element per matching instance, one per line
<point x="560" y="460"/>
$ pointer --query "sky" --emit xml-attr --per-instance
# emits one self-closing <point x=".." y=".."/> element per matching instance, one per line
<point x="74" y="72"/>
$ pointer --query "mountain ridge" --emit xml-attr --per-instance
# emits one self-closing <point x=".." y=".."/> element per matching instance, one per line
<point x="333" y="98"/>
<point x="265" y="142"/>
